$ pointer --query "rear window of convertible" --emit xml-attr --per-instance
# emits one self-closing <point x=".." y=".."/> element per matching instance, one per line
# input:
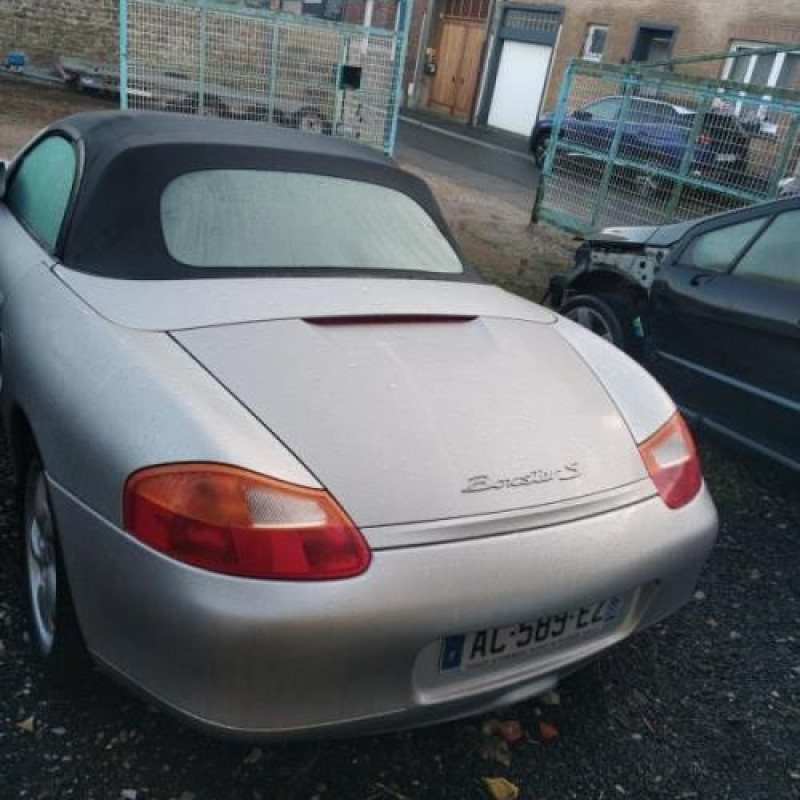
<point x="264" y="219"/>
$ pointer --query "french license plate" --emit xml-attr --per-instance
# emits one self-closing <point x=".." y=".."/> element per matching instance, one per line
<point x="469" y="650"/>
<point x="726" y="158"/>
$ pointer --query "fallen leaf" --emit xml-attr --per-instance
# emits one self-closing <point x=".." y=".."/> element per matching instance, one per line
<point x="253" y="756"/>
<point x="551" y="698"/>
<point x="27" y="725"/>
<point x="510" y="731"/>
<point x="547" y="732"/>
<point x="501" y="788"/>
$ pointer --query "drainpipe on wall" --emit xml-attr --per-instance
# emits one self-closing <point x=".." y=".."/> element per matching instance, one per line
<point x="415" y="84"/>
<point x="411" y="95"/>
<point x="493" y="19"/>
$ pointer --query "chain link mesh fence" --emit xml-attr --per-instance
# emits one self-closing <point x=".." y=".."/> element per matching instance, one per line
<point x="336" y="72"/>
<point x="639" y="146"/>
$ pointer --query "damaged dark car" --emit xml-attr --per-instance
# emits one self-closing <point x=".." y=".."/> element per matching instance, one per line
<point x="712" y="308"/>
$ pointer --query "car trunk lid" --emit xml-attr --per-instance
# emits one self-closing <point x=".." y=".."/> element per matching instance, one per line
<point x="408" y="417"/>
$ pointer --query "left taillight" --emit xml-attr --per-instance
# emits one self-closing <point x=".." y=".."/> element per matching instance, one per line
<point x="237" y="522"/>
<point x="672" y="463"/>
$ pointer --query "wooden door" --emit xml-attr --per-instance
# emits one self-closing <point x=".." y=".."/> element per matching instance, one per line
<point x="467" y="78"/>
<point x="451" y="48"/>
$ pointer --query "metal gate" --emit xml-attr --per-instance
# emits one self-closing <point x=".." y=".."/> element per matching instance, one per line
<point x="638" y="145"/>
<point x="338" y="77"/>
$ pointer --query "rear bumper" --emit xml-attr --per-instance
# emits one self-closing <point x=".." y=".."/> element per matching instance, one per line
<point x="273" y="659"/>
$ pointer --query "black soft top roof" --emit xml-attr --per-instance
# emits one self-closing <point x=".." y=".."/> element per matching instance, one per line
<point x="129" y="157"/>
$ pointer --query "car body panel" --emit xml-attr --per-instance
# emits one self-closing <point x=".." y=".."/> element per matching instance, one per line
<point x="725" y="346"/>
<point x="271" y="657"/>
<point x="98" y="394"/>
<point x="393" y="394"/>
<point x="652" y="235"/>
<point x="648" y="139"/>
<point x="641" y="401"/>
<point x="410" y="422"/>
<point x="161" y="305"/>
<point x="729" y="348"/>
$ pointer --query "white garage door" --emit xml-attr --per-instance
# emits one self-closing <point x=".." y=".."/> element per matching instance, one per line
<point x="519" y="86"/>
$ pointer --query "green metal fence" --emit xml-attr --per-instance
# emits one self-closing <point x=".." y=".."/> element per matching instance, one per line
<point x="340" y="77"/>
<point x="637" y="144"/>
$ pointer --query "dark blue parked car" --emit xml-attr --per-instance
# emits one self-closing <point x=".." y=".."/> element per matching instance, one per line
<point x="654" y="133"/>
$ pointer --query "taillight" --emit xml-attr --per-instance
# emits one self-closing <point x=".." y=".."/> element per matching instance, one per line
<point x="230" y="520"/>
<point x="671" y="460"/>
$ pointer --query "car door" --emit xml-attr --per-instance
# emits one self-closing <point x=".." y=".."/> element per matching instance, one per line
<point x="725" y="327"/>
<point x="593" y="127"/>
<point x="655" y="135"/>
<point x="35" y="199"/>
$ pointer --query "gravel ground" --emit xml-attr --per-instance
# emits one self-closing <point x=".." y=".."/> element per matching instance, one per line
<point x="705" y="705"/>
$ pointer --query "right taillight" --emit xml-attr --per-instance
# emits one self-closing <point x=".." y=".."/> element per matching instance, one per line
<point x="230" y="520"/>
<point x="671" y="461"/>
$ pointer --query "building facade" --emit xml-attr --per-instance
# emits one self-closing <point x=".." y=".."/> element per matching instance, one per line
<point x="500" y="63"/>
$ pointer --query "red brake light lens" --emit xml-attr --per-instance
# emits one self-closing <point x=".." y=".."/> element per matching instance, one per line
<point x="229" y="520"/>
<point x="671" y="461"/>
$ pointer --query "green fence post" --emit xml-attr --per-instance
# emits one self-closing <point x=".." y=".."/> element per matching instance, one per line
<point x="273" y="70"/>
<point x="400" y="45"/>
<point x="605" y="182"/>
<point x="123" y="54"/>
<point x="201" y="89"/>
<point x="558" y="117"/>
<point x="338" y="105"/>
<point x="789" y="141"/>
<point x="688" y="155"/>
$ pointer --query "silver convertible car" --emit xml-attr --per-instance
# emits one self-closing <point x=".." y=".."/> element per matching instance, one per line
<point x="287" y="466"/>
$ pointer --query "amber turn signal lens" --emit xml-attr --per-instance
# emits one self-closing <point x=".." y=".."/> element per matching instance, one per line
<point x="230" y="520"/>
<point x="671" y="461"/>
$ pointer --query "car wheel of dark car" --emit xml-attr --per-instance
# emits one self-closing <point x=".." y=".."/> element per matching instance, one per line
<point x="53" y="625"/>
<point x="611" y="316"/>
<point x="539" y="148"/>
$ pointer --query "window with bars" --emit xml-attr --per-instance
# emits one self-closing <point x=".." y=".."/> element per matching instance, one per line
<point x="466" y="9"/>
<point x="531" y="20"/>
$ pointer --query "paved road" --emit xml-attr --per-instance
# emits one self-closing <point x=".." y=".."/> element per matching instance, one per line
<point x="501" y="174"/>
<point x="476" y="155"/>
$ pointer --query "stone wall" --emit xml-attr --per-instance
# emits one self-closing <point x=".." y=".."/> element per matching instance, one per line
<point x="702" y="26"/>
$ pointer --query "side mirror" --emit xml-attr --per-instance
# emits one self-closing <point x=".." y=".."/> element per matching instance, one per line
<point x="583" y="115"/>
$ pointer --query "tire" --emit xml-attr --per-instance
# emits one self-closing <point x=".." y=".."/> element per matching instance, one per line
<point x="52" y="623"/>
<point x="539" y="149"/>
<point x="612" y="316"/>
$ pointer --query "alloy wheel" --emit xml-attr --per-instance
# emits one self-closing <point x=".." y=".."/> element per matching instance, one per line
<point x="592" y="320"/>
<point x="40" y="559"/>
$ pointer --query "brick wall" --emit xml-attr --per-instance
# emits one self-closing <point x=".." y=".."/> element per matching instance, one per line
<point x="703" y="26"/>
